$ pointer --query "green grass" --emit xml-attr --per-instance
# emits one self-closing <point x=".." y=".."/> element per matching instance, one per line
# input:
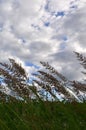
<point x="42" y="116"/>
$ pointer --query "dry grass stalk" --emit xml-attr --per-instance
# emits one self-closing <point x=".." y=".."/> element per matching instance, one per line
<point x="15" y="77"/>
<point x="48" y="80"/>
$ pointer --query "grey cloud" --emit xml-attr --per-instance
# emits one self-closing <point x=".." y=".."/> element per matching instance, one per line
<point x="46" y="43"/>
<point x="70" y="66"/>
<point x="64" y="56"/>
<point x="75" y="26"/>
<point x="39" y="47"/>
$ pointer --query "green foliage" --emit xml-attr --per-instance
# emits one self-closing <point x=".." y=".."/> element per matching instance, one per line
<point x="35" y="113"/>
<point x="42" y="116"/>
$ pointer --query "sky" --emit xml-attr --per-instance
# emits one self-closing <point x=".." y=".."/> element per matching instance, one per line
<point x="44" y="30"/>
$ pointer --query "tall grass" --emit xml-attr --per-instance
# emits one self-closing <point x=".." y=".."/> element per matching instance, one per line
<point x="42" y="116"/>
<point x="35" y="113"/>
<point x="50" y="81"/>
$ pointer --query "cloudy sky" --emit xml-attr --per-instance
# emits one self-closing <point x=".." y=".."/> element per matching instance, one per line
<point x="43" y="30"/>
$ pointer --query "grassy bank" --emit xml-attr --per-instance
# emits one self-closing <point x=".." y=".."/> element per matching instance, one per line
<point x="42" y="116"/>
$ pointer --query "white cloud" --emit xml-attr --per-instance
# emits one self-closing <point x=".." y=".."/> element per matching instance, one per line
<point x="47" y="30"/>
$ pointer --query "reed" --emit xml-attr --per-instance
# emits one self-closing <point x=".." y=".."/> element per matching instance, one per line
<point x="49" y="80"/>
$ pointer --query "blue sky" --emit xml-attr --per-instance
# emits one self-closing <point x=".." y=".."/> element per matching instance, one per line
<point x="43" y="30"/>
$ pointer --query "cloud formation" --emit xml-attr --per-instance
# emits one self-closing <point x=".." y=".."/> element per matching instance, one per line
<point x="44" y="30"/>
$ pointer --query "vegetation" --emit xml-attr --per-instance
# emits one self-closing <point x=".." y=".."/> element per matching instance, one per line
<point x="37" y="106"/>
<point x="49" y="83"/>
<point x="42" y="116"/>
